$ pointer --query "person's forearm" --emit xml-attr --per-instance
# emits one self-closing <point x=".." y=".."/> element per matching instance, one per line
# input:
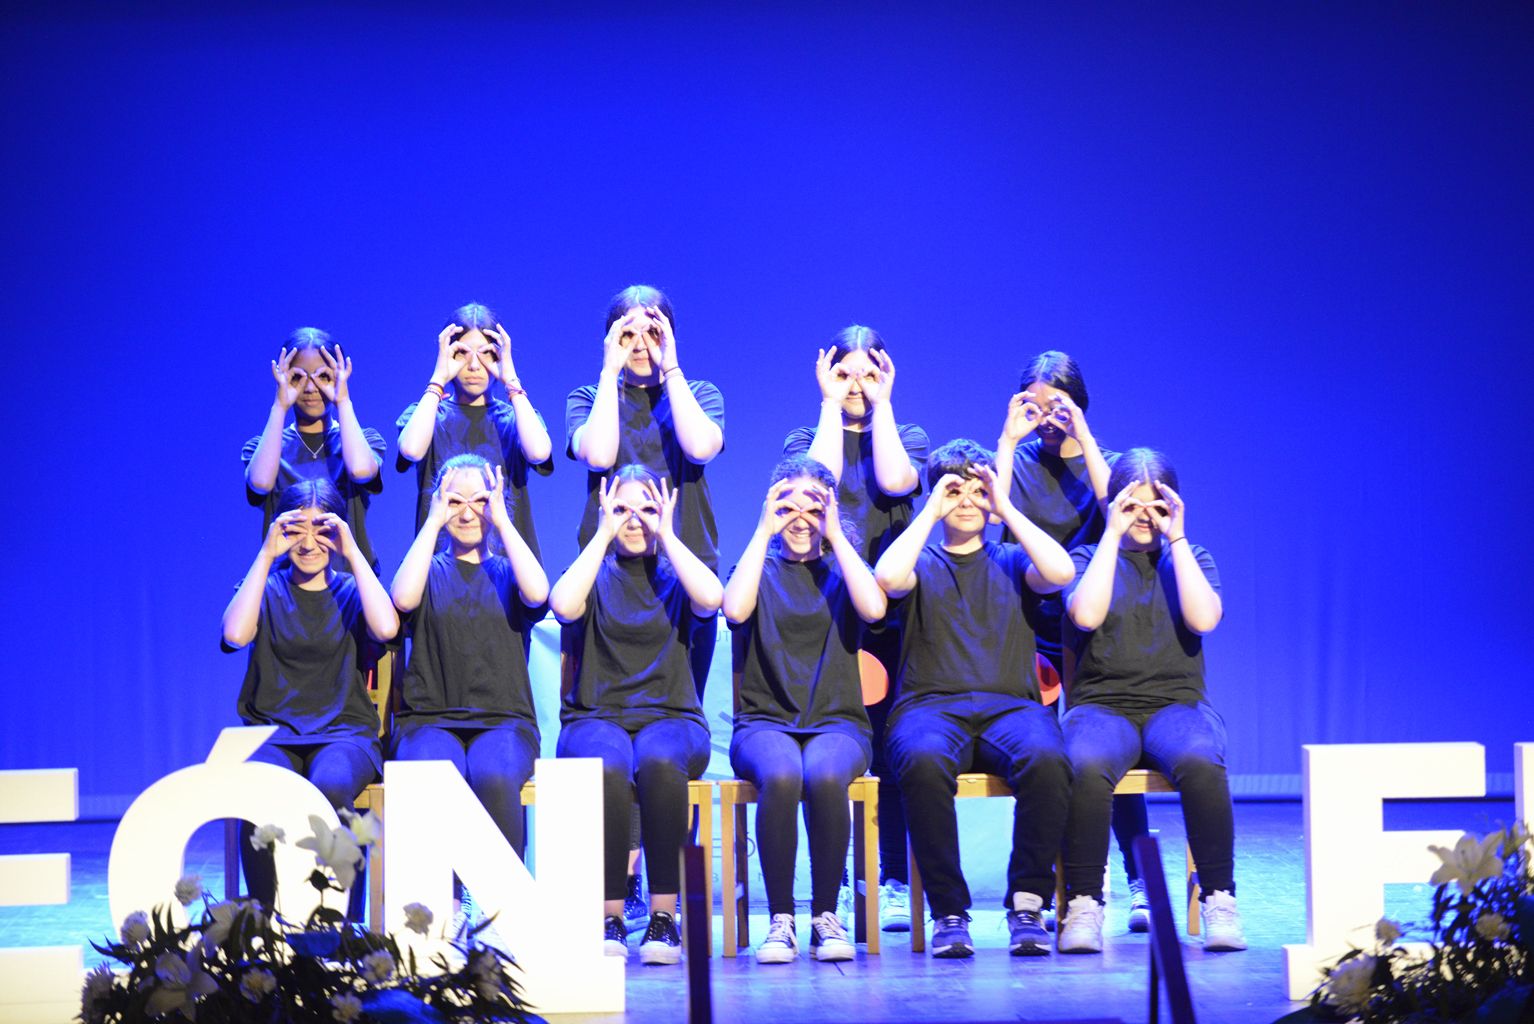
<point x="698" y="436"/>
<point x="702" y="586"/>
<point x="826" y="448"/>
<point x="868" y="597"/>
<point x="892" y="466"/>
<point x="896" y="568"/>
<point x="261" y="471"/>
<point x="746" y="581"/>
<point x="1006" y="465"/>
<point x="360" y="459"/>
<point x="1201" y="606"/>
<point x="377" y="607"/>
<point x="244" y="610"/>
<point x="415" y="438"/>
<point x="410" y="581"/>
<point x="597" y="446"/>
<point x="1051" y="562"/>
<point x="568" y="597"/>
<point x="1098" y="470"/>
<point x="532" y="435"/>
<point x="1088" y="606"/>
<point x="532" y="581"/>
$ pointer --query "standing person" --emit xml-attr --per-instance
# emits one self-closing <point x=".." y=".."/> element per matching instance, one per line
<point x="800" y="729"/>
<point x="877" y="464"/>
<point x="308" y="627"/>
<point x="324" y="442"/>
<point x="457" y="416"/>
<point x="968" y="696"/>
<point x="1059" y="480"/>
<point x="466" y="696"/>
<point x="1137" y="614"/>
<point x="632" y="600"/>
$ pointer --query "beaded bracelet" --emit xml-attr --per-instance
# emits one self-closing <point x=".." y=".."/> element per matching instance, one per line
<point x="514" y="387"/>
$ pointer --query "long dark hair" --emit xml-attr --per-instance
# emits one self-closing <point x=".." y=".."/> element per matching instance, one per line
<point x="638" y="295"/>
<point x="1060" y="372"/>
<point x="467" y="460"/>
<point x="473" y="317"/>
<point x="320" y="494"/>
<point x="856" y="338"/>
<point x="792" y="467"/>
<point x="1141" y="465"/>
<point x="310" y="337"/>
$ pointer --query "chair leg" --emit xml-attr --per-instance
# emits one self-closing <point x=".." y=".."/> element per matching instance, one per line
<point x="918" y="904"/>
<point x="706" y="842"/>
<point x="741" y="906"/>
<point x="1195" y="919"/>
<point x="1059" y="892"/>
<point x="870" y="872"/>
<point x="729" y="864"/>
<point x="376" y="872"/>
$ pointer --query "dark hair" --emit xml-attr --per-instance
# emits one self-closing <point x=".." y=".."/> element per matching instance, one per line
<point x="467" y="460"/>
<point x="473" y="317"/>
<point x="309" y="337"/>
<point x="633" y="473"/>
<point x="1141" y="465"/>
<point x="960" y="457"/>
<point x="792" y="467"/>
<point x="320" y="494"/>
<point x="856" y="338"/>
<point x="638" y="295"/>
<point x="1060" y="372"/>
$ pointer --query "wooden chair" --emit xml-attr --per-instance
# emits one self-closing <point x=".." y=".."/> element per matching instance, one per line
<point x="734" y="795"/>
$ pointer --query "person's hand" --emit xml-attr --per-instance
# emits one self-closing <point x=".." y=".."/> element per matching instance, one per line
<point x="666" y="497"/>
<point x="989" y="497"/>
<point x="876" y="390"/>
<point x="1024" y="414"/>
<point x="335" y="535"/>
<point x="830" y="513"/>
<point x="611" y="519"/>
<point x="285" y="531"/>
<point x="495" y="482"/>
<point x="333" y="380"/>
<point x="660" y="341"/>
<point x="1171" y="520"/>
<point x="947" y="493"/>
<point x="1067" y="415"/>
<point x="497" y="356"/>
<point x="1122" y="511"/>
<point x="622" y="336"/>
<point x="440" y="510"/>
<point x="451" y="355"/>
<point x="289" y="380"/>
<point x="778" y="510"/>
<point x="834" y="385"/>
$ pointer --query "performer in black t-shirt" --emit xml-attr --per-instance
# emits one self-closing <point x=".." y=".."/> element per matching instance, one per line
<point x="308" y="627"/>
<point x="1144" y="598"/>
<point x="325" y="440"/>
<point x="631" y="602"/>
<point x="968" y="695"/>
<point x="800" y="729"/>
<point x="466" y="696"/>
<point x="878" y="465"/>
<point x="457" y="416"/>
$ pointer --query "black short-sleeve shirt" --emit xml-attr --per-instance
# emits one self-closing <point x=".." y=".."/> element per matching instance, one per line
<point x="647" y="436"/>
<point x="468" y="647"/>
<point x="1142" y="657"/>
<point x="489" y="431"/>
<point x="796" y="657"/>
<point x="631" y="647"/>
<point x="305" y="672"/>
<point x="967" y="625"/>
<point x="879" y="517"/>
<point x="299" y="462"/>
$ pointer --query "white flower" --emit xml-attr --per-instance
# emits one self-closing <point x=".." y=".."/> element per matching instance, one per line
<point x="1387" y="931"/>
<point x="221" y="918"/>
<point x="1349" y="984"/>
<point x="1470" y="862"/>
<point x="178" y="984"/>
<point x="366" y="828"/>
<point x="345" y="1007"/>
<point x="267" y="836"/>
<point x="256" y="985"/>
<point x="377" y="967"/>
<point x="135" y="929"/>
<point x="335" y="849"/>
<point x="188" y="888"/>
<point x="97" y="987"/>
<point x="1491" y="925"/>
<point x="417" y="917"/>
<point x="487" y="974"/>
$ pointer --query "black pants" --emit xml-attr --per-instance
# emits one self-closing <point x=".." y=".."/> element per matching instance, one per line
<point x="339" y="770"/>
<point x="933" y="739"/>
<point x="884" y="643"/>
<point x="785" y="769"/>
<point x="495" y="762"/>
<point x="1185" y="743"/>
<point x="658" y="760"/>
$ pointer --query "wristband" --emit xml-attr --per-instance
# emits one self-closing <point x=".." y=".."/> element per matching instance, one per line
<point x="514" y="387"/>
<point x="666" y="374"/>
<point x="433" y="388"/>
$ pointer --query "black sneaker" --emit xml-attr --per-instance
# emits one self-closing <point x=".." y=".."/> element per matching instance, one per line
<point x="662" y="942"/>
<point x="950" y="937"/>
<point x="1025" y="922"/>
<point x="615" y="942"/>
<point x="636" y="910"/>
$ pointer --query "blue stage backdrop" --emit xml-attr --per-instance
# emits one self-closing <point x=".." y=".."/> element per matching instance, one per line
<point x="1288" y="243"/>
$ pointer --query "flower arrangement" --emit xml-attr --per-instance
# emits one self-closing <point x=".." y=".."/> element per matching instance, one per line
<point x="1481" y="965"/>
<point x="241" y="963"/>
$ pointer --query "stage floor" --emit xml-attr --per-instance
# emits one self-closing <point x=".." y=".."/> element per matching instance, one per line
<point x="1228" y="988"/>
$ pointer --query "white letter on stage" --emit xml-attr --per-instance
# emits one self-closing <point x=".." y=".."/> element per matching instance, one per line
<point x="1349" y="857"/>
<point x="1523" y="782"/>
<point x="41" y="982"/>
<point x="149" y="848"/>
<point x="552" y="926"/>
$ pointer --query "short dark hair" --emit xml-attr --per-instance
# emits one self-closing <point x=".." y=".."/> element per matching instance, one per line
<point x="856" y="338"/>
<point x="960" y="457"/>
<point x="473" y="316"/>
<point x="1141" y="465"/>
<point x="1060" y="372"/>
<point x="310" y="337"/>
<point x="320" y="494"/>
<point x="638" y="295"/>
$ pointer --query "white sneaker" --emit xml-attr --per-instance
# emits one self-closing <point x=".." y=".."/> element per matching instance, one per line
<point x="1081" y="930"/>
<point x="781" y="946"/>
<point x="844" y="898"/>
<point x="830" y="939"/>
<point x="1222" y="922"/>
<point x="894" y="907"/>
<point x="1139" y="907"/>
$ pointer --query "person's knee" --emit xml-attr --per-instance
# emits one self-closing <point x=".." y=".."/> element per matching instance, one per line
<point x="652" y="767"/>
<point x="1046" y="768"/>
<point x="917" y="769"/>
<point x="1197" y="770"/>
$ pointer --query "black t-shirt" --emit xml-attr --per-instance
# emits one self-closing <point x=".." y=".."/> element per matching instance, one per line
<point x="967" y="625"/>
<point x="1142" y="657"/>
<point x="631" y="647"/>
<point x="879" y="517"/>
<point x="796" y="657"/>
<point x="489" y="431"/>
<point x="305" y="669"/>
<point x="647" y="436"/>
<point x="1056" y="495"/>
<point x="299" y="462"/>
<point x="468" y="647"/>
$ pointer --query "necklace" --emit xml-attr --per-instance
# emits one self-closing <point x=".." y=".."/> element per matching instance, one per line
<point x="313" y="450"/>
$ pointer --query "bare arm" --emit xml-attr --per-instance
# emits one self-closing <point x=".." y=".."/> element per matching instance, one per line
<point x="532" y="581"/>
<point x="1202" y="608"/>
<point x="867" y="596"/>
<point x="409" y="584"/>
<point x="826" y="447"/>
<point x="699" y="437"/>
<point x="896" y="569"/>
<point x="702" y="586"/>
<point x="415" y="438"/>
<point x="532" y="435"/>
<point x="1088" y="605"/>
<point x="377" y="608"/>
<point x="1074" y="422"/>
<point x="261" y="471"/>
<point x="358" y="456"/>
<point x="243" y="613"/>
<point x="595" y="442"/>
<point x="570" y="593"/>
<point x="893" y="471"/>
<point x="1050" y="566"/>
<point x="1023" y="416"/>
<point x="745" y="583"/>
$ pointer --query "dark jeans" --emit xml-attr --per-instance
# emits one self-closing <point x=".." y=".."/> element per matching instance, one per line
<point x="785" y="769"/>
<point x="933" y="739"/>
<point x="340" y="770"/>
<point x="658" y="760"/>
<point x="495" y="762"/>
<point x="1185" y="743"/>
<point x="884" y="644"/>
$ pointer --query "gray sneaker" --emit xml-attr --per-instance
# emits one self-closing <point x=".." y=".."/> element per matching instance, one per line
<point x="1081" y="931"/>
<point x="1025" y="922"/>
<point x="1222" y="922"/>
<point x="1139" y="907"/>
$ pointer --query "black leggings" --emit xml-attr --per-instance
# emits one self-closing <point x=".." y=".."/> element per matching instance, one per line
<point x="658" y="760"/>
<point x="495" y="762"/>
<point x="786" y="769"/>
